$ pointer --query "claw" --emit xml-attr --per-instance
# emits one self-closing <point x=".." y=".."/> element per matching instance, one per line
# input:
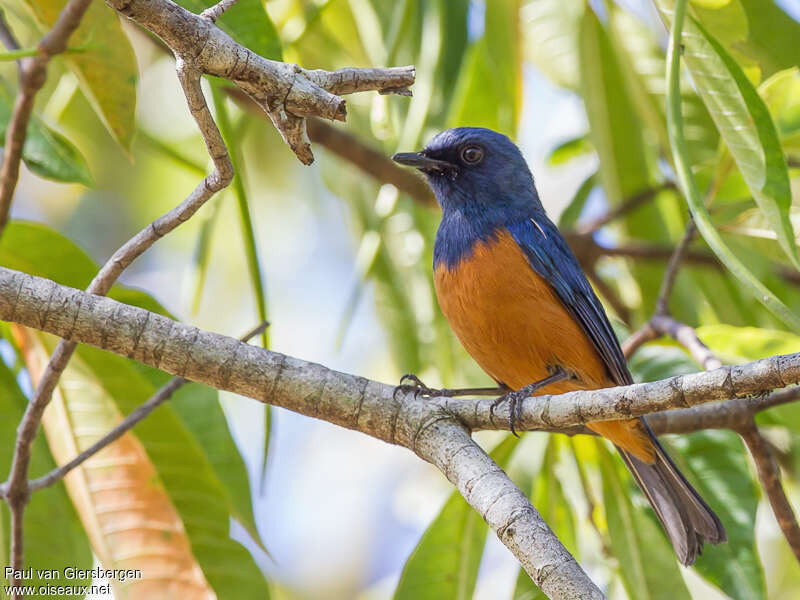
<point x="514" y="400"/>
<point x="411" y="383"/>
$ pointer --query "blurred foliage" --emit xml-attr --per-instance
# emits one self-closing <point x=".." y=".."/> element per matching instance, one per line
<point x="739" y="98"/>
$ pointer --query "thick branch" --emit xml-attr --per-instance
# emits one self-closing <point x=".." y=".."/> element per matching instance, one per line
<point x="353" y="402"/>
<point x="425" y="427"/>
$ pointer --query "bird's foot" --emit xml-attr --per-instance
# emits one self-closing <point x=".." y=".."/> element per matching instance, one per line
<point x="514" y="400"/>
<point x="411" y="383"/>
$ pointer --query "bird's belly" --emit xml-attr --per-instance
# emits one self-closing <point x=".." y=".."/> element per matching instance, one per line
<point x="511" y="322"/>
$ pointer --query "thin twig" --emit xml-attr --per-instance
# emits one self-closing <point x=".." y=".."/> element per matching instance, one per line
<point x="687" y="337"/>
<point x="156" y="400"/>
<point x="212" y="13"/>
<point x="638" y="338"/>
<point x="770" y="476"/>
<point x="6" y="35"/>
<point x="32" y="75"/>
<point x="627" y="206"/>
<point x="671" y="272"/>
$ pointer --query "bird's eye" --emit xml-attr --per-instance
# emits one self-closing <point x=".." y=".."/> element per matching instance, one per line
<point x="472" y="155"/>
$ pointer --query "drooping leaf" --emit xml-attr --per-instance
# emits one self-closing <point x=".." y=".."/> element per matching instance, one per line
<point x="121" y="500"/>
<point x="189" y="478"/>
<point x="566" y="151"/>
<point x="489" y="90"/>
<point x="626" y="162"/>
<point x="54" y="538"/>
<point x="716" y="465"/>
<point x="38" y="250"/>
<point x="572" y="212"/>
<point x="617" y="138"/>
<point x="106" y="67"/>
<point x="755" y="287"/>
<point x="46" y="152"/>
<point x="199" y="410"/>
<point x="248" y="233"/>
<point x="643" y="62"/>
<point x="744" y="123"/>
<point x="648" y="567"/>
<point x="445" y="562"/>
<point x="199" y="444"/>
<point x="551" y="33"/>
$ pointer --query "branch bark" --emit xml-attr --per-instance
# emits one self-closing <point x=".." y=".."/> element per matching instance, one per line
<point x="437" y="430"/>
<point x="770" y="476"/>
<point x="286" y="92"/>
<point x="425" y="427"/>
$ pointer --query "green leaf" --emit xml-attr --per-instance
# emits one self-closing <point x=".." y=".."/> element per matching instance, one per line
<point x="189" y="477"/>
<point x="618" y="138"/>
<point x="715" y="463"/>
<point x="744" y="123"/>
<point x="551" y="33"/>
<point x="199" y="410"/>
<point x="742" y="344"/>
<point x="648" y="567"/>
<point x="781" y="93"/>
<point x="773" y="36"/>
<point x="489" y="90"/>
<point x="689" y="186"/>
<point x="245" y="220"/>
<point x="198" y="462"/>
<point x="54" y="536"/>
<point x="626" y="162"/>
<point x="46" y="152"/>
<point x="549" y="499"/>
<point x="643" y="60"/>
<point x="566" y="151"/>
<point x="247" y="22"/>
<point x="445" y="562"/>
<point x="572" y="212"/>
<point x="106" y="70"/>
<point x="38" y="250"/>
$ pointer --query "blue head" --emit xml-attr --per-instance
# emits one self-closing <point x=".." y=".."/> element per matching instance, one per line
<point x="482" y="184"/>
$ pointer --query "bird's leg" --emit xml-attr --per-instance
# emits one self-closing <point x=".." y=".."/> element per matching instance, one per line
<point x="515" y="398"/>
<point x="411" y="383"/>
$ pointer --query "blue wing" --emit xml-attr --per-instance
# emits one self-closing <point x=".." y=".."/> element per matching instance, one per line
<point x="552" y="259"/>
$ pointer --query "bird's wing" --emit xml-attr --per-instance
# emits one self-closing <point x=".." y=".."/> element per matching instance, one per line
<point x="548" y="254"/>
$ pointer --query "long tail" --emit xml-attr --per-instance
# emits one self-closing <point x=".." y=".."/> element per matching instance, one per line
<point x="687" y="519"/>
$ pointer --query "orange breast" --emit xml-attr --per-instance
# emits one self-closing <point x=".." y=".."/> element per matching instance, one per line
<point x="511" y="321"/>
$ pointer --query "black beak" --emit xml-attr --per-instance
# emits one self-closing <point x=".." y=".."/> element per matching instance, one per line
<point x="422" y="162"/>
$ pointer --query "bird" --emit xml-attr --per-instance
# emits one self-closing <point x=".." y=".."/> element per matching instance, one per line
<point x="517" y="299"/>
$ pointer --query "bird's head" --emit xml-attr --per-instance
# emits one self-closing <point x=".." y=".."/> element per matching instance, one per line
<point x="476" y="170"/>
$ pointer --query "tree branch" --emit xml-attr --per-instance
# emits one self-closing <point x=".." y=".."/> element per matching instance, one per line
<point x="162" y="395"/>
<point x="770" y="476"/>
<point x="32" y="75"/>
<point x="435" y="429"/>
<point x="628" y="205"/>
<point x="671" y="272"/>
<point x="287" y="93"/>
<point x="425" y="427"/>
<point x="346" y="400"/>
